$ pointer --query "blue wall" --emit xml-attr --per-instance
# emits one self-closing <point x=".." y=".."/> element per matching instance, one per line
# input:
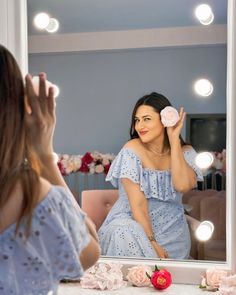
<point x="99" y="90"/>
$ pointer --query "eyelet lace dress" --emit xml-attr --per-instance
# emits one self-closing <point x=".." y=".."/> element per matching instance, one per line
<point x="36" y="265"/>
<point x="121" y="235"/>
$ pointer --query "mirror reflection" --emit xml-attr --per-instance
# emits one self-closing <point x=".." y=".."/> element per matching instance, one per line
<point x="99" y="88"/>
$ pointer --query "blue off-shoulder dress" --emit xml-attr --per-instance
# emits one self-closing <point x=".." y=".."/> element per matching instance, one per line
<point x="121" y="235"/>
<point x="36" y="265"/>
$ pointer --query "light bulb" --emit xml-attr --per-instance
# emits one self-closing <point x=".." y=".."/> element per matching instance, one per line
<point x="203" y="87"/>
<point x="53" y="25"/>
<point x="41" y="20"/>
<point x="56" y="90"/>
<point x="55" y="157"/>
<point x="204" y="160"/>
<point x="204" y="231"/>
<point x="204" y="14"/>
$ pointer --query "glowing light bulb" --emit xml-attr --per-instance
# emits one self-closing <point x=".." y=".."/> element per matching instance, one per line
<point x="53" y="25"/>
<point x="204" y="231"/>
<point x="41" y="20"/>
<point x="204" y="14"/>
<point x="55" y="157"/>
<point x="56" y="90"/>
<point x="203" y="87"/>
<point x="204" y="160"/>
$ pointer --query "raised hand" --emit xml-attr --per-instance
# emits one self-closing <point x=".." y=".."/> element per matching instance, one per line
<point x="40" y="117"/>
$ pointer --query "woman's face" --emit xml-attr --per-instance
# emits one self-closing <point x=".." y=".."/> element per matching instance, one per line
<point x="148" y="124"/>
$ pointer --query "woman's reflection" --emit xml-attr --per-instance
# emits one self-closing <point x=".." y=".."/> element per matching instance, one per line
<point x="152" y="171"/>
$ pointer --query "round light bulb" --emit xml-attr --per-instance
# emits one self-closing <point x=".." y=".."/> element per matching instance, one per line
<point x="203" y="87"/>
<point x="41" y="20"/>
<point x="55" y="157"/>
<point x="204" y="231"/>
<point x="56" y="90"/>
<point x="53" y="25"/>
<point x="204" y="160"/>
<point x="204" y="14"/>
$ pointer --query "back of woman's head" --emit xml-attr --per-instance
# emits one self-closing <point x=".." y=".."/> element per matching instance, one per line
<point x="14" y="149"/>
<point x="11" y="111"/>
<point x="155" y="100"/>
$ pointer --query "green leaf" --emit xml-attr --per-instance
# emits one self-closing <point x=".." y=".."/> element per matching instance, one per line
<point x="147" y="274"/>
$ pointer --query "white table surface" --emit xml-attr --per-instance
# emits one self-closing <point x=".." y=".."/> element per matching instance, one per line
<point x="175" y="289"/>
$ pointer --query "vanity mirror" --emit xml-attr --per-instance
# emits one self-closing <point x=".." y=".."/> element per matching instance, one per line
<point x="189" y="270"/>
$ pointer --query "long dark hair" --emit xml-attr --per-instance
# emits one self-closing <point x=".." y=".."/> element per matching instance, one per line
<point x="158" y="102"/>
<point x="18" y="163"/>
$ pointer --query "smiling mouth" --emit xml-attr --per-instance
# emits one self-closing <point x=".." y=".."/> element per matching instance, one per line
<point x="142" y="133"/>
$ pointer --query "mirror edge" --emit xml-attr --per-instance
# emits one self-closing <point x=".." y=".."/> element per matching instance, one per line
<point x="183" y="271"/>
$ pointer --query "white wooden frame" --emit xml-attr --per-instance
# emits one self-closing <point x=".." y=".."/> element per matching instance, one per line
<point x="13" y="34"/>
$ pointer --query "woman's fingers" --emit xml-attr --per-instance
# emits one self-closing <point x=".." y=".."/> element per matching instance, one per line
<point x="51" y="101"/>
<point x="31" y="100"/>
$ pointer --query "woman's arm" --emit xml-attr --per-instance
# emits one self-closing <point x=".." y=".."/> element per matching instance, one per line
<point x="40" y="121"/>
<point x="139" y="207"/>
<point x="183" y="176"/>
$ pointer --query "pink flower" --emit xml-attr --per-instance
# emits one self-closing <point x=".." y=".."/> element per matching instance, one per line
<point x="169" y="116"/>
<point x="214" y="277"/>
<point x="137" y="275"/>
<point x="99" y="168"/>
<point x="228" y="285"/>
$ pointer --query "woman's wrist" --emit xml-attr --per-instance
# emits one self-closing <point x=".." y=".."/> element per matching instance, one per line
<point x="152" y="238"/>
<point x="174" y="142"/>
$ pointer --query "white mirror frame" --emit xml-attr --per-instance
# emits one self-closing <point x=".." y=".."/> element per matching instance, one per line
<point x="13" y="34"/>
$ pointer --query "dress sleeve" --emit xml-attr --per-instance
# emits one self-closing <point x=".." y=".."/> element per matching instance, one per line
<point x="125" y="165"/>
<point x="190" y="156"/>
<point x="74" y="221"/>
<point x="66" y="233"/>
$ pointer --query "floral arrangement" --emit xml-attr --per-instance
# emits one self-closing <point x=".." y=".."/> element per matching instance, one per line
<point x="219" y="163"/>
<point x="169" y="116"/>
<point x="89" y="163"/>
<point x="217" y="279"/>
<point x="103" y="276"/>
<point x="142" y="276"/>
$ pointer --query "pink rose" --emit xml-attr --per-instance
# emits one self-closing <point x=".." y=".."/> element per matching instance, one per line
<point x="99" y="168"/>
<point x="169" y="116"/>
<point x="228" y="285"/>
<point x="137" y="275"/>
<point x="214" y="277"/>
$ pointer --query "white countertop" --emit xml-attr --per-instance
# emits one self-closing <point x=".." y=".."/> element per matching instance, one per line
<point x="175" y="289"/>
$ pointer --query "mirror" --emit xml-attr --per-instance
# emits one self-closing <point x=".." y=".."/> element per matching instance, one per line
<point x="190" y="272"/>
<point x="103" y="85"/>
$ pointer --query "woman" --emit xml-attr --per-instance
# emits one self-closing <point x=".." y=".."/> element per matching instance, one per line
<point x="152" y="171"/>
<point x="44" y="236"/>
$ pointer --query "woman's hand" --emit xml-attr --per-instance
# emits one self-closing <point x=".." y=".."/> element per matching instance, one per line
<point x="161" y="252"/>
<point x="174" y="131"/>
<point x="40" y="117"/>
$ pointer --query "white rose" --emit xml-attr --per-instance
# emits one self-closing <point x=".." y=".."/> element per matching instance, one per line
<point x="169" y="116"/>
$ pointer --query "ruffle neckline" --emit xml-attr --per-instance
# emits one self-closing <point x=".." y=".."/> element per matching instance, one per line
<point x="154" y="183"/>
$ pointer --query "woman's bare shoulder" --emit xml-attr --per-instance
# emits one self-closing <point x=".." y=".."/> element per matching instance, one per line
<point x="133" y="144"/>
